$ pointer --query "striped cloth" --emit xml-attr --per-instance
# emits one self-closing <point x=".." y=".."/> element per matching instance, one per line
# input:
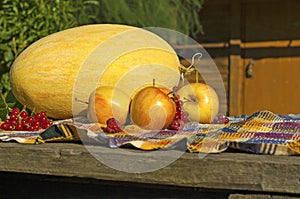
<point x="263" y="133"/>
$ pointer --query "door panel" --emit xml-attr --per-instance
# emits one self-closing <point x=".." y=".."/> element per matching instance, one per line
<point x="271" y="37"/>
<point x="274" y="86"/>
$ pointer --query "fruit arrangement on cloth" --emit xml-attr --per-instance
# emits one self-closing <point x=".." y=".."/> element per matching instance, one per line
<point x="153" y="107"/>
<point x="112" y="74"/>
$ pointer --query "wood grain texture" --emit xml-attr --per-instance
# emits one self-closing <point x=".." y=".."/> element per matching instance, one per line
<point x="226" y="171"/>
<point x="259" y="196"/>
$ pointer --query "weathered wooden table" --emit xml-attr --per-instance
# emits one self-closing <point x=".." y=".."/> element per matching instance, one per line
<point x="68" y="170"/>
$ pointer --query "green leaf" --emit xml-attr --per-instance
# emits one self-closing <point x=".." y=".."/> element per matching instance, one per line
<point x="3" y="113"/>
<point x="8" y="55"/>
<point x="2" y="101"/>
<point x="11" y="104"/>
<point x="10" y="98"/>
<point x="3" y="47"/>
<point x="12" y="101"/>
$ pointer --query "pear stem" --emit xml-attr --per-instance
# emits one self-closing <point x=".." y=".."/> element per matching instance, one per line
<point x="153" y="82"/>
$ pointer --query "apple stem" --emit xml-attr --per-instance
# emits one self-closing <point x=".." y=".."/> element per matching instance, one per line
<point x="153" y="82"/>
<point x="78" y="100"/>
<point x="186" y="100"/>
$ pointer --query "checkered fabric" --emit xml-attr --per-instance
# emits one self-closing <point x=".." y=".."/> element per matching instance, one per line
<point x="263" y="133"/>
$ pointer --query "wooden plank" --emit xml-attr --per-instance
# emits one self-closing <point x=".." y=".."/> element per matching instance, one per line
<point x="42" y="186"/>
<point x="226" y="171"/>
<point x="268" y="44"/>
<point x="235" y="68"/>
<point x="259" y="196"/>
<point x="236" y="85"/>
<point x="205" y="45"/>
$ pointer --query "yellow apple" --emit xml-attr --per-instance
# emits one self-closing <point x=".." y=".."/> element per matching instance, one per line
<point x="108" y="102"/>
<point x="200" y="101"/>
<point x="152" y="108"/>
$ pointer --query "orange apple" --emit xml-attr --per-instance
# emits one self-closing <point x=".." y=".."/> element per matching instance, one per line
<point x="108" y="102"/>
<point x="152" y="108"/>
<point x="200" y="101"/>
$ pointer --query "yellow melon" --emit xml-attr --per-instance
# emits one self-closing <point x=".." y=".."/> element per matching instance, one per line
<point x="58" y="72"/>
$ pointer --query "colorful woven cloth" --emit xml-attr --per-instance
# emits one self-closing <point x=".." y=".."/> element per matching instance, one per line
<point x="263" y="133"/>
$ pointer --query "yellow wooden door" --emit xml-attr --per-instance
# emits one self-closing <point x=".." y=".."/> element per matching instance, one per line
<point x="274" y="86"/>
<point x="271" y="39"/>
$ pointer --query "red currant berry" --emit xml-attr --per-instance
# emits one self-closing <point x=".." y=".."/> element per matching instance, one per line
<point x="10" y="127"/>
<point x="23" y="114"/>
<point x="179" y="103"/>
<point x="25" y="127"/>
<point x="46" y="125"/>
<point x="29" y="119"/>
<point x="15" y="111"/>
<point x="35" y="123"/>
<point x="43" y="113"/>
<point x="108" y="130"/>
<point x="6" y="121"/>
<point x="13" y="122"/>
<point x="19" y="127"/>
<point x="30" y="128"/>
<point x="23" y="122"/>
<point x="4" y="126"/>
<point x="226" y="120"/>
<point x="179" y="109"/>
<point x="174" y="126"/>
<point x="177" y="97"/>
<point x="43" y="119"/>
<point x="113" y="126"/>
<point x="37" y="116"/>
<point x="13" y="117"/>
<point x="36" y="127"/>
<point x="178" y="114"/>
<point x="184" y="117"/>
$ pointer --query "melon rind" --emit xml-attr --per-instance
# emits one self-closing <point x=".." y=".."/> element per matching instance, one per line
<point x="47" y="76"/>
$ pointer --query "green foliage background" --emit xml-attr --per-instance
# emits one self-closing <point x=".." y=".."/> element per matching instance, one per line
<point x="24" y="22"/>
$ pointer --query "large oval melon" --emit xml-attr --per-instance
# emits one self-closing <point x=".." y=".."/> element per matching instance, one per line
<point x="58" y="72"/>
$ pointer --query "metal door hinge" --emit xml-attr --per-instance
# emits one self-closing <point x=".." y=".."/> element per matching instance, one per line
<point x="249" y="69"/>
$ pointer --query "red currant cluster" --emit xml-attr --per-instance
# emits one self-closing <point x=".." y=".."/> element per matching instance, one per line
<point x="112" y="126"/>
<point x="220" y="119"/>
<point x="21" y="121"/>
<point x="180" y="116"/>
